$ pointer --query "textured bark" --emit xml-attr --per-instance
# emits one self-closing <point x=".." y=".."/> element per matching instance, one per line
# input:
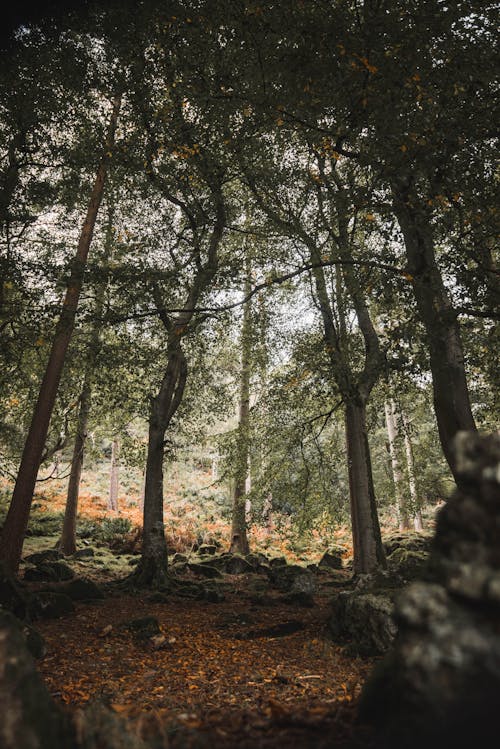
<point x="368" y="550"/>
<point x="239" y="538"/>
<point x="446" y="357"/>
<point x="418" y="523"/>
<point x="17" y="517"/>
<point x="114" y="476"/>
<point x="67" y="543"/>
<point x="392" y="433"/>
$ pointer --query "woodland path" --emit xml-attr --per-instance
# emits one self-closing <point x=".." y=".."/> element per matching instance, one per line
<point x="198" y="683"/>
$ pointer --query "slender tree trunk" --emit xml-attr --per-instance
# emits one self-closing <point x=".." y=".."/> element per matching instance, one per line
<point x="153" y="566"/>
<point x="239" y="538"/>
<point x="367" y="542"/>
<point x="114" y="476"/>
<point x="446" y="357"/>
<point x="67" y="543"/>
<point x="392" y="433"/>
<point x="412" y="480"/>
<point x="18" y="515"/>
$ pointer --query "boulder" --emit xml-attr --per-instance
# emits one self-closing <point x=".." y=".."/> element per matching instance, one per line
<point x="236" y="565"/>
<point x="411" y="565"/>
<point x="203" y="570"/>
<point x="12" y="596"/>
<point x="420" y="542"/>
<point x="49" y="572"/>
<point x="49" y="605"/>
<point x="364" y="620"/>
<point x="277" y="562"/>
<point x="143" y="628"/>
<point x="47" y="555"/>
<point x="82" y="589"/>
<point x="292" y="578"/>
<point x="440" y="685"/>
<point x="207" y="549"/>
<point x="86" y="553"/>
<point x="179" y="559"/>
<point x="29" y="719"/>
<point x="330" y="560"/>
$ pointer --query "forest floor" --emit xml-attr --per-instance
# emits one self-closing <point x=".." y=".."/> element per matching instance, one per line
<point x="199" y="683"/>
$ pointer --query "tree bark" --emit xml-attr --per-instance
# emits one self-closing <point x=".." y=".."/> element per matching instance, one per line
<point x="446" y="358"/>
<point x="368" y="549"/>
<point x="412" y="480"/>
<point x="392" y="433"/>
<point x="18" y="515"/>
<point x="114" y="476"/>
<point x="239" y="538"/>
<point x="67" y="543"/>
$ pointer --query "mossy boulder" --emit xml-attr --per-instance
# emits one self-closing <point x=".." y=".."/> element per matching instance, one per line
<point x="82" y="589"/>
<point x="49" y="605"/>
<point x="49" y="572"/>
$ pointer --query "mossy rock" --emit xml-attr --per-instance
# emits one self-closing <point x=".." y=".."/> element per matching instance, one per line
<point x="85" y="553"/>
<point x="49" y="605"/>
<point x="82" y="589"/>
<point x="143" y="628"/>
<point x="49" y="572"/>
<point x="204" y="570"/>
<point x="47" y="555"/>
<point x="237" y="565"/>
<point x="12" y="596"/>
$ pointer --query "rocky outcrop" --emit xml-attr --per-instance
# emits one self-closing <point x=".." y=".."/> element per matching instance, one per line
<point x="441" y="684"/>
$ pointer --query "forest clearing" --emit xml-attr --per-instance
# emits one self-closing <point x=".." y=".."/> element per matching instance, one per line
<point x="249" y="305"/>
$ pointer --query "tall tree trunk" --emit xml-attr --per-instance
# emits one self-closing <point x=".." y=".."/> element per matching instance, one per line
<point x="153" y="566"/>
<point x="412" y="479"/>
<point x="392" y="433"/>
<point x="114" y="476"/>
<point x="18" y="515"/>
<point x="446" y="357"/>
<point x="239" y="538"/>
<point x="368" y="550"/>
<point x="67" y="543"/>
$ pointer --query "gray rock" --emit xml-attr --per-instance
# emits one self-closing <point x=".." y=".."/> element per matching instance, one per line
<point x="28" y="719"/>
<point x="12" y="596"/>
<point x="82" y="589"/>
<point x="48" y="555"/>
<point x="292" y="578"/>
<point x="49" y="605"/>
<point x="143" y="628"/>
<point x="49" y="572"/>
<point x="440" y="685"/>
<point x="364" y="620"/>
<point x="204" y="570"/>
<point x="86" y="553"/>
<point x="331" y="561"/>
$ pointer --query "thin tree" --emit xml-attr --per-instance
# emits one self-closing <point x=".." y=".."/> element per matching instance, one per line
<point x="239" y="539"/>
<point x="14" y="529"/>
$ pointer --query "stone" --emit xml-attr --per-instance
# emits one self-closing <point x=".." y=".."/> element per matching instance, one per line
<point x="292" y="578"/>
<point x="143" y="628"/>
<point x="236" y="565"/>
<point x="203" y="570"/>
<point x="364" y="620"/>
<point x="207" y="549"/>
<point x="49" y="605"/>
<point x="29" y="719"/>
<point x="82" y="589"/>
<point x="86" y="553"/>
<point x="331" y="561"/>
<point x="420" y="542"/>
<point x="12" y="596"/>
<point x="277" y="562"/>
<point x="49" y="572"/>
<point x="34" y="641"/>
<point x="179" y="559"/>
<point x="409" y="564"/>
<point x="39" y="557"/>
<point x="440" y="685"/>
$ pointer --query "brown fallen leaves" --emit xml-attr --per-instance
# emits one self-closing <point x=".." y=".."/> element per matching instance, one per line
<point x="197" y="676"/>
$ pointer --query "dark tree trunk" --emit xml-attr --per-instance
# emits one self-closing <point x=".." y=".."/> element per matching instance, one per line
<point x="67" y="543"/>
<point x="368" y="550"/>
<point x="18" y="515"/>
<point x="152" y="570"/>
<point x="446" y="357"/>
<point x="239" y="538"/>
